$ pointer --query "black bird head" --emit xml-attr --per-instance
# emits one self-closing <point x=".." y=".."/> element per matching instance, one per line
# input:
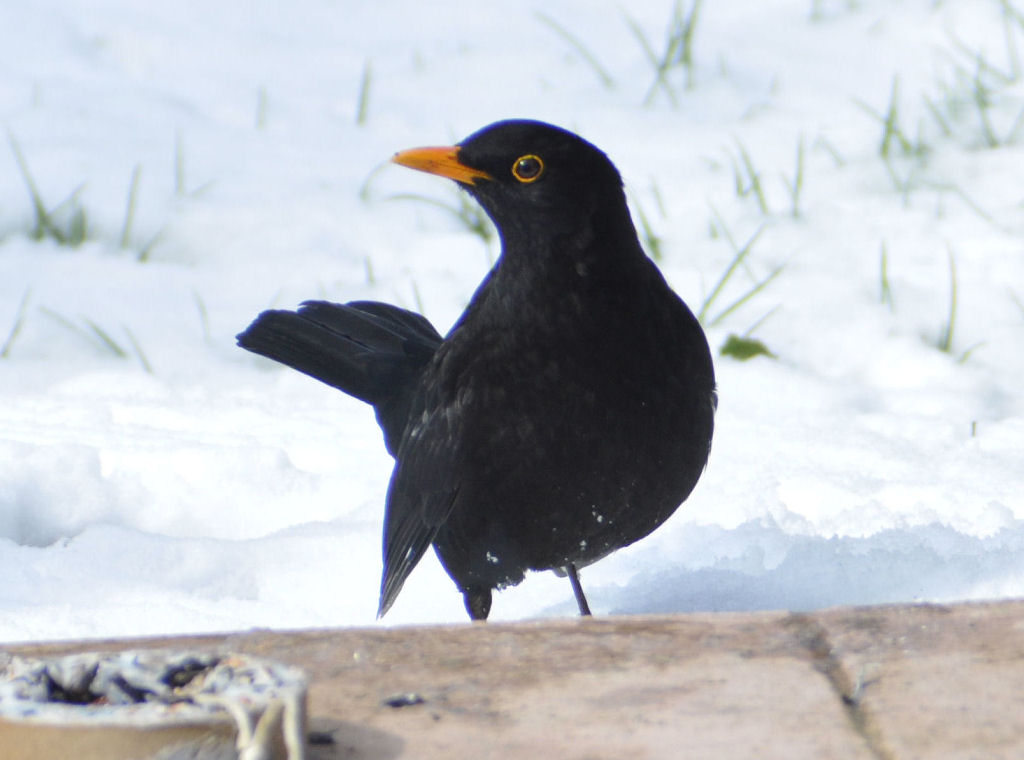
<point x="535" y="180"/>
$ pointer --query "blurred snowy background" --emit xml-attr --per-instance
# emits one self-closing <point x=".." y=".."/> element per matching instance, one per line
<point x="849" y="172"/>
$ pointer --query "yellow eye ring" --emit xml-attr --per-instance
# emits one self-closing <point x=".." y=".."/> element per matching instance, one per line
<point x="528" y="168"/>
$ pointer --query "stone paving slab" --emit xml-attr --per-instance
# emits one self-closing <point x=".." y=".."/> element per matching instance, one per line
<point x="880" y="683"/>
<point x="935" y="681"/>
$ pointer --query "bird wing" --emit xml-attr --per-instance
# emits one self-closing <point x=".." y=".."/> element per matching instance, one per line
<point x="409" y="531"/>
<point x="423" y="488"/>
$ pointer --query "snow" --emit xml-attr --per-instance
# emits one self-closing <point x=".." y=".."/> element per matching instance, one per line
<point x="188" y="486"/>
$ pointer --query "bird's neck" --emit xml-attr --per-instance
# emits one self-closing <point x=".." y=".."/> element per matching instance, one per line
<point x="545" y="258"/>
<point x="596" y="273"/>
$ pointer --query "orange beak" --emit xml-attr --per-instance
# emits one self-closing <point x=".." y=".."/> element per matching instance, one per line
<point x="441" y="161"/>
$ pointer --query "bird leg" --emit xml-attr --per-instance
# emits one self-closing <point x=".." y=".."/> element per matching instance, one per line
<point x="577" y="589"/>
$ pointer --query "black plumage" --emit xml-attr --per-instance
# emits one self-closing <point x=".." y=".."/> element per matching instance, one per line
<point x="570" y="409"/>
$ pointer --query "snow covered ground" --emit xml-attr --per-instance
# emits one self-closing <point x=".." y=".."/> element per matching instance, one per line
<point x="154" y="478"/>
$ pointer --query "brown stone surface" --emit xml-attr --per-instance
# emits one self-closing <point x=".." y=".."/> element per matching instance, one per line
<point x="881" y="682"/>
<point x="936" y="681"/>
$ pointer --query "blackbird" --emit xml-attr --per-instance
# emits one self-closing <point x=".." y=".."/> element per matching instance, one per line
<point x="567" y="413"/>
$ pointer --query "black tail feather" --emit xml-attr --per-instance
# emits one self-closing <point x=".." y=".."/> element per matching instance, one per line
<point x="370" y="350"/>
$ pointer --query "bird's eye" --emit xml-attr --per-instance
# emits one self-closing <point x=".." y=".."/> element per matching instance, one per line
<point x="528" y="168"/>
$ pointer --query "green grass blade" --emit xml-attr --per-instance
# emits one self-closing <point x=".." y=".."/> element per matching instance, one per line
<point x="891" y="130"/>
<point x="366" y="188"/>
<point x="945" y="343"/>
<point x="753" y="291"/>
<point x="832" y="150"/>
<point x="1016" y="300"/>
<point x="129" y="212"/>
<point x="579" y="47"/>
<point x="204" y="315"/>
<point x="417" y="298"/>
<point x="968" y="201"/>
<point x="689" y="26"/>
<point x="78" y="230"/>
<point x="44" y="223"/>
<point x="753" y="178"/>
<point x="19" y="322"/>
<point x="95" y="334"/>
<point x="962" y="359"/>
<point x="760" y="321"/>
<point x="796" y="187"/>
<point x="363" y="101"/>
<point x="648" y="237"/>
<point x="884" y="288"/>
<point x="63" y="321"/>
<point x="471" y="216"/>
<point x="147" y="249"/>
<point x="654" y="61"/>
<point x="105" y="340"/>
<point x="139" y="354"/>
<point x="938" y="117"/>
<point x="741" y="254"/>
<point x="890" y="124"/>
<point x="645" y="44"/>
